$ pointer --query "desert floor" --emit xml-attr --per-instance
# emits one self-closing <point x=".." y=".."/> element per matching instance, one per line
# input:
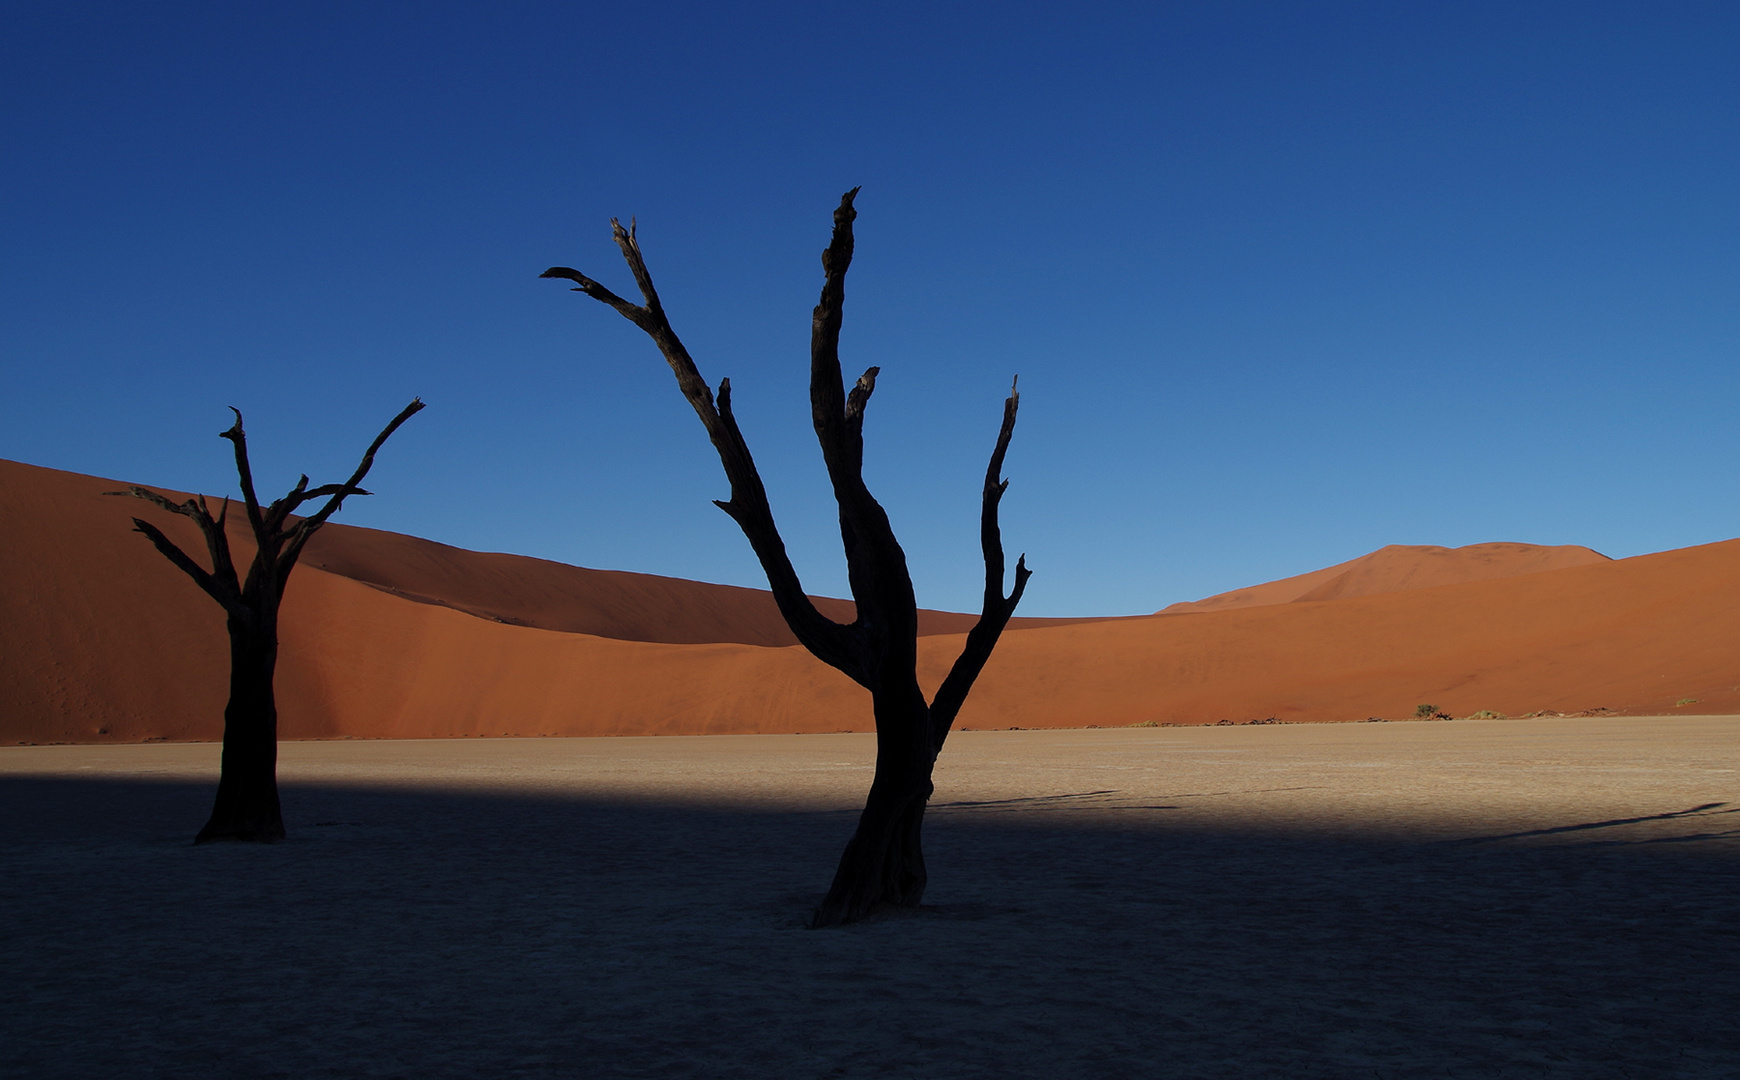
<point x="1527" y="898"/>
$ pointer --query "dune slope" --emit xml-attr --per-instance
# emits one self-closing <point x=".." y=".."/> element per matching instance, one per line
<point x="101" y="640"/>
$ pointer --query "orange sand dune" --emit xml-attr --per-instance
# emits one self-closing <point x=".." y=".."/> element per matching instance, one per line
<point x="1634" y="635"/>
<point x="502" y="588"/>
<point x="101" y="640"/>
<point x="554" y="596"/>
<point x="1399" y="567"/>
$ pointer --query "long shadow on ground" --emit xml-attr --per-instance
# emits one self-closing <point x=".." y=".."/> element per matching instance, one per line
<point x="416" y="933"/>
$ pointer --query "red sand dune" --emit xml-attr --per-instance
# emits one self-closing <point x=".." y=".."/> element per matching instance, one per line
<point x="555" y="596"/>
<point x="100" y="639"/>
<point x="1401" y="567"/>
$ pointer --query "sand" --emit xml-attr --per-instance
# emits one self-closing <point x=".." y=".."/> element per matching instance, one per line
<point x="1542" y="898"/>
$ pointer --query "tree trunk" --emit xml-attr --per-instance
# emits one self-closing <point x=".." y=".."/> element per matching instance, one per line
<point x="247" y="795"/>
<point x="884" y="862"/>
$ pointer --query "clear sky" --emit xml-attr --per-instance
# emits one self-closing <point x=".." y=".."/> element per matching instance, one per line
<point x="1283" y="282"/>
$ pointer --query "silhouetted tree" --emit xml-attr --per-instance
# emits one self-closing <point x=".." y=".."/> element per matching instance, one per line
<point x="884" y="862"/>
<point x="247" y="795"/>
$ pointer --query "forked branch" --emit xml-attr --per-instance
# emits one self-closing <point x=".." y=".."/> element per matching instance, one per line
<point x="875" y="562"/>
<point x="220" y="581"/>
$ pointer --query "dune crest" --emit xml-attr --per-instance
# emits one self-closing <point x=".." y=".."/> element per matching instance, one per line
<point x="1398" y="568"/>
<point x="618" y="604"/>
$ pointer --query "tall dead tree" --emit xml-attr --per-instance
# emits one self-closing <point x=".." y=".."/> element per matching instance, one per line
<point x="884" y="862"/>
<point x="247" y="795"/>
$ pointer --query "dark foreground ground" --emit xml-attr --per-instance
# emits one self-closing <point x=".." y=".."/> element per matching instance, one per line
<point x="1457" y="900"/>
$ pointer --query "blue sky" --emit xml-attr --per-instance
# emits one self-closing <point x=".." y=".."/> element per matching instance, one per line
<point x="1284" y="283"/>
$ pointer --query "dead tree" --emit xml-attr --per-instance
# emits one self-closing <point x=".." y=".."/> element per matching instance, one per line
<point x="884" y="862"/>
<point x="247" y="795"/>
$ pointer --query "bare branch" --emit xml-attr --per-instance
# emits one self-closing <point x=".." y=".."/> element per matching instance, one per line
<point x="997" y="609"/>
<point x="990" y="534"/>
<point x="852" y="441"/>
<point x="336" y="493"/>
<point x="190" y="508"/>
<point x="633" y="312"/>
<point x="324" y="490"/>
<point x="630" y="245"/>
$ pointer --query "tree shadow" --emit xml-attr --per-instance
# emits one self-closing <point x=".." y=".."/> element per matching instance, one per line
<point x="1703" y="810"/>
<point x="412" y="931"/>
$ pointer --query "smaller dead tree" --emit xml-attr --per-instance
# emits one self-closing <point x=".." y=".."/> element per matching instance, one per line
<point x="884" y="861"/>
<point x="247" y="795"/>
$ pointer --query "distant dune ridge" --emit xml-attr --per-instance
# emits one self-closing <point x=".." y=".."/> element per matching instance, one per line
<point x="389" y="636"/>
<point x="1398" y="568"/>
